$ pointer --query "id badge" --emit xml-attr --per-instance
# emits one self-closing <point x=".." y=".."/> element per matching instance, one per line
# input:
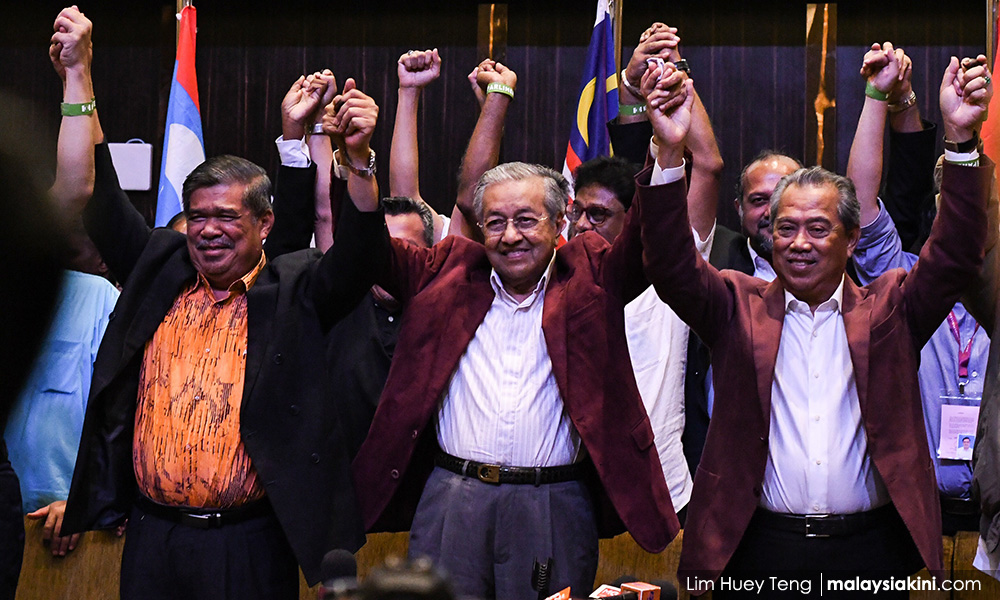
<point x="957" y="435"/>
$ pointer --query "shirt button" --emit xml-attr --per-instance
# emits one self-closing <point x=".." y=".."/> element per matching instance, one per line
<point x="294" y="409"/>
<point x="278" y="359"/>
<point x="394" y="474"/>
<point x="975" y="373"/>
<point x="819" y="462"/>
<point x="816" y="375"/>
<point x="816" y="418"/>
<point x="815" y="506"/>
<point x="415" y="434"/>
<point x="315" y="459"/>
<point x="390" y="318"/>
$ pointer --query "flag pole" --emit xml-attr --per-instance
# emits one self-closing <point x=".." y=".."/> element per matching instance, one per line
<point x="177" y="30"/>
<point x="616" y="7"/>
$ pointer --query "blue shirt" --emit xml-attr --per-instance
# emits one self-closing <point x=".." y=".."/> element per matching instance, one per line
<point x="43" y="431"/>
<point x="879" y="250"/>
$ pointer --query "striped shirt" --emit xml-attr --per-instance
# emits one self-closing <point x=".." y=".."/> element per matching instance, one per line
<point x="502" y="405"/>
<point x="187" y="449"/>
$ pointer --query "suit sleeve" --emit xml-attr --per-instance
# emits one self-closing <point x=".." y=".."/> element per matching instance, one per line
<point x="908" y="194"/>
<point x="694" y="289"/>
<point x="115" y="226"/>
<point x="631" y="140"/>
<point x="953" y="253"/>
<point x="349" y="268"/>
<point x="294" y="210"/>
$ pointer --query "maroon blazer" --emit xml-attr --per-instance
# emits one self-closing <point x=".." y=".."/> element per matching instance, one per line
<point x="887" y="323"/>
<point x="447" y="293"/>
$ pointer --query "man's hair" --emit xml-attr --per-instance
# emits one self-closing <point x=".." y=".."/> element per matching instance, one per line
<point x="231" y="170"/>
<point x="404" y="205"/>
<point x="763" y="155"/>
<point x="556" y="186"/>
<point x="611" y="172"/>
<point x="848" y="207"/>
<point x="965" y="437"/>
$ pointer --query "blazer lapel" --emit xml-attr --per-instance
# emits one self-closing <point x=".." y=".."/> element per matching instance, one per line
<point x="262" y="302"/>
<point x="767" y="313"/>
<point x="156" y="303"/>
<point x="857" y="312"/>
<point x="554" y="322"/>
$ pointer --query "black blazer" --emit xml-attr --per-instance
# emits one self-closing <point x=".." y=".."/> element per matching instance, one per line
<point x="290" y="422"/>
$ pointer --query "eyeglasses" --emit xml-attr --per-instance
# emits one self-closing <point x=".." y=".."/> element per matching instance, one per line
<point x="595" y="214"/>
<point x="523" y="223"/>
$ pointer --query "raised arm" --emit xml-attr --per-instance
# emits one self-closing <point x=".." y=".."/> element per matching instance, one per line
<point x="86" y="181"/>
<point x="321" y="152"/>
<point x="295" y="184"/>
<point x="706" y="160"/>
<point x="498" y="84"/>
<point x="71" y="53"/>
<point x="361" y="249"/>
<point x="681" y="277"/>
<point x="349" y="121"/>
<point x="415" y="70"/>
<point x="881" y="70"/>
<point x="953" y="253"/>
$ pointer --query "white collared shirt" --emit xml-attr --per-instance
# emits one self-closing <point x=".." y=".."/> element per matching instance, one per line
<point x="817" y="457"/>
<point x="502" y="405"/>
<point x="761" y="268"/>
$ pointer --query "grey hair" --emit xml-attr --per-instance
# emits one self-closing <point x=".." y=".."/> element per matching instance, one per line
<point x="848" y="207"/>
<point x="557" y="189"/>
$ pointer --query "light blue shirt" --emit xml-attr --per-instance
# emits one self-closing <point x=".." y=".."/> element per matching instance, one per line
<point x="43" y="431"/>
<point x="879" y="250"/>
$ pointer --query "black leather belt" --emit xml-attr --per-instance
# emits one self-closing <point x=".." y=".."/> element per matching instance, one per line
<point x="963" y="507"/>
<point x="824" y="525"/>
<point x="202" y="518"/>
<point x="503" y="474"/>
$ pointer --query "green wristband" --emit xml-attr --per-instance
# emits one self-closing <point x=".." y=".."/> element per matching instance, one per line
<point x="630" y="110"/>
<point x="78" y="110"/>
<point x="873" y="92"/>
<point x="500" y="88"/>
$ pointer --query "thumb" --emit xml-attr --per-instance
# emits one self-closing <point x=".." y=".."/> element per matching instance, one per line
<point x="41" y="513"/>
<point x="950" y="73"/>
<point x="349" y="85"/>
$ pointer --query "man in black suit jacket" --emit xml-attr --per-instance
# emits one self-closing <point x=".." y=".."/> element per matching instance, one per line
<point x="288" y="497"/>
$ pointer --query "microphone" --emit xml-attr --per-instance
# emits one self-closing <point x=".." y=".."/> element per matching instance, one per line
<point x="540" y="577"/>
<point x="339" y="572"/>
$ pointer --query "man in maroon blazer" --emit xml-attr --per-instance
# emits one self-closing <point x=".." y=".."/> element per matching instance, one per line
<point x="816" y="459"/>
<point x="511" y="411"/>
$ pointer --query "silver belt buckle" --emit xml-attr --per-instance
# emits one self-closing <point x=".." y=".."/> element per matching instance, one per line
<point x="810" y="534"/>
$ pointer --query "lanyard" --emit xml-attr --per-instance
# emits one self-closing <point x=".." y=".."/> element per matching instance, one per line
<point x="966" y="354"/>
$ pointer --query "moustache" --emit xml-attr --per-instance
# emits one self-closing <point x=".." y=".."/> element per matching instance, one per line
<point x="214" y="245"/>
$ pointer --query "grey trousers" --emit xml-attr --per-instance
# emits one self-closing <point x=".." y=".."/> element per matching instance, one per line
<point x="486" y="537"/>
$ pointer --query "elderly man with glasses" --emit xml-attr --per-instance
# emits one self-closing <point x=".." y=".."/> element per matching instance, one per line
<point x="511" y="412"/>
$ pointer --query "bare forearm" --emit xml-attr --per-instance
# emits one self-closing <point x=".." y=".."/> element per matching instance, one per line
<point x="483" y="151"/>
<point x="706" y="172"/>
<point x="74" y="183"/>
<point x="864" y="166"/>
<point x="321" y="151"/>
<point x="404" y="158"/>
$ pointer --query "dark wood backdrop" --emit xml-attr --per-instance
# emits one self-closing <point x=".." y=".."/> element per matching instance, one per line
<point x="749" y="63"/>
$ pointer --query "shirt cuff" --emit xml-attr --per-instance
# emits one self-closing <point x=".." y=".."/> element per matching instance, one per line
<point x="293" y="153"/>
<point x="966" y="159"/>
<point x="704" y="246"/>
<point x="664" y="176"/>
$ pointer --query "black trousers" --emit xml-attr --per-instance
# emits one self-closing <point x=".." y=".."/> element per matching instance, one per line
<point x="166" y="561"/>
<point x="769" y="557"/>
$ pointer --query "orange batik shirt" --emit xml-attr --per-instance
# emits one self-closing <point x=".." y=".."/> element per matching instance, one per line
<point x="187" y="449"/>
